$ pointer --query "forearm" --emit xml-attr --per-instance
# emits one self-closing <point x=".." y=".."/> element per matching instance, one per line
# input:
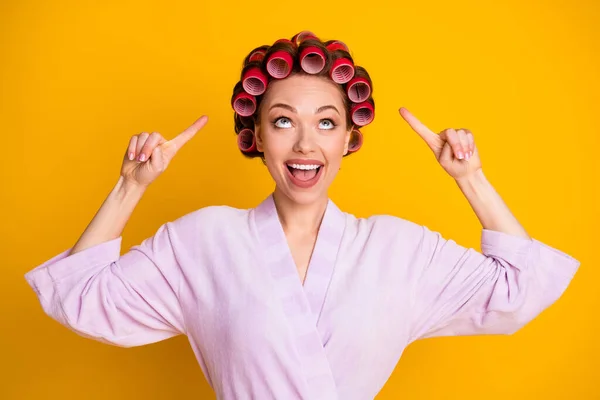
<point x="111" y="218"/>
<point x="489" y="207"/>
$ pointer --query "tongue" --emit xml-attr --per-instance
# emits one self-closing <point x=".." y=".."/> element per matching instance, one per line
<point x="304" y="175"/>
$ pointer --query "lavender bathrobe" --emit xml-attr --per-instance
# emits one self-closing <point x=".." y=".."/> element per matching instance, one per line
<point x="225" y="277"/>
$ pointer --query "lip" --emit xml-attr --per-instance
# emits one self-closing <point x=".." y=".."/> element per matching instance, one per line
<point x="304" y="184"/>
<point x="304" y="161"/>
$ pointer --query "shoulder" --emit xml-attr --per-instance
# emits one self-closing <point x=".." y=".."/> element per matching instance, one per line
<point x="388" y="223"/>
<point x="211" y="217"/>
<point x="390" y="228"/>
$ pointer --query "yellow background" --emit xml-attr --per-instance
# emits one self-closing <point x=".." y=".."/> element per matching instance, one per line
<point x="79" y="78"/>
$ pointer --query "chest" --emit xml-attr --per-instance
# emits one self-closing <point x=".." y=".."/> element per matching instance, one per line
<point x="350" y="311"/>
<point x="301" y="248"/>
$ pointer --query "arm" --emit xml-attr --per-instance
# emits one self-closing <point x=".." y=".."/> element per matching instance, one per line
<point x="111" y="218"/>
<point x="458" y="291"/>
<point x="124" y="300"/>
<point x="487" y="204"/>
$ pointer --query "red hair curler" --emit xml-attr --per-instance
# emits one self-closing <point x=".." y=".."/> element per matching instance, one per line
<point x="244" y="104"/>
<point x="302" y="36"/>
<point x="254" y="81"/>
<point x="257" y="55"/>
<point x="342" y="71"/>
<point x="279" y="64"/>
<point x="362" y="113"/>
<point x="246" y="140"/>
<point x="337" y="45"/>
<point x="312" y="59"/>
<point x="358" y="89"/>
<point x="356" y="141"/>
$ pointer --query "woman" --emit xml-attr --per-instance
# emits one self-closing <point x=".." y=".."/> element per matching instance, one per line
<point x="295" y="299"/>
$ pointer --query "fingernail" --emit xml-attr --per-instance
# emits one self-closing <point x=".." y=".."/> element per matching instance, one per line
<point x="468" y="155"/>
<point x="142" y="157"/>
<point x="130" y="156"/>
<point x="460" y="155"/>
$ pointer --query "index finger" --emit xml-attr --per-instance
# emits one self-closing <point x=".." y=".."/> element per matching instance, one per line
<point x="189" y="133"/>
<point x="417" y="126"/>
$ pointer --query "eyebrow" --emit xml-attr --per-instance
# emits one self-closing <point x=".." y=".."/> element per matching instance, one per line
<point x="292" y="109"/>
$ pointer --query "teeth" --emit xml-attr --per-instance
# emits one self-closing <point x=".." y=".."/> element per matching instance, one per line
<point x="302" y="166"/>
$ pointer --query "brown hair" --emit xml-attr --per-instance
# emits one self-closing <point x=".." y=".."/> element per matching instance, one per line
<point x="293" y="48"/>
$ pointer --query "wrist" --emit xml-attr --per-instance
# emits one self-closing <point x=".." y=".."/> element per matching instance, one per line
<point x="472" y="181"/>
<point x="126" y="190"/>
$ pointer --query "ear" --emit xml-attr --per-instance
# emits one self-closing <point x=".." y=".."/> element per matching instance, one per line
<point x="258" y="138"/>
<point x="347" y="139"/>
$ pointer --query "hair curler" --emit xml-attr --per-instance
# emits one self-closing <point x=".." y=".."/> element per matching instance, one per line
<point x="246" y="140"/>
<point x="356" y="141"/>
<point x="337" y="45"/>
<point x="254" y="81"/>
<point x="302" y="36"/>
<point x="312" y="59"/>
<point x="342" y="70"/>
<point x="362" y="113"/>
<point x="279" y="64"/>
<point x="257" y="55"/>
<point x="244" y="104"/>
<point x="358" y="89"/>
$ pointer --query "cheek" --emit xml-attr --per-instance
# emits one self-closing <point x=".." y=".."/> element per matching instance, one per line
<point x="336" y="146"/>
<point x="275" y="147"/>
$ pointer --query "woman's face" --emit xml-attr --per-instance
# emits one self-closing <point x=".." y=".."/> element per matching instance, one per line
<point x="303" y="135"/>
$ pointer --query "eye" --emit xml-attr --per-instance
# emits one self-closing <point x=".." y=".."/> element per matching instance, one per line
<point x="327" y="124"/>
<point x="282" y="122"/>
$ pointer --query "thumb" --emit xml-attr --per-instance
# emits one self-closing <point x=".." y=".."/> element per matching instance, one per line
<point x="173" y="145"/>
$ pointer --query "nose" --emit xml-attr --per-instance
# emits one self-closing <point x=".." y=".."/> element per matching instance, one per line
<point x="305" y="140"/>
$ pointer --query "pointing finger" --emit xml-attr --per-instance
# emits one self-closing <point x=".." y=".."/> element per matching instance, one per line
<point x="178" y="141"/>
<point x="427" y="134"/>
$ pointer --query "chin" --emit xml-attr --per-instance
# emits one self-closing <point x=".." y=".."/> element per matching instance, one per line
<point x="305" y="197"/>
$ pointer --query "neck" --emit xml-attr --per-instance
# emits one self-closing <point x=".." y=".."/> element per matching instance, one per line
<point x="299" y="218"/>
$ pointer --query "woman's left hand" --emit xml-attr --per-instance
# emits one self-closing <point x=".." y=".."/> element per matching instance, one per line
<point x="454" y="149"/>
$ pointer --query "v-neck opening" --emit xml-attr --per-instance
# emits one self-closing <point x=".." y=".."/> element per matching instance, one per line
<point x="302" y="302"/>
<point x="324" y="253"/>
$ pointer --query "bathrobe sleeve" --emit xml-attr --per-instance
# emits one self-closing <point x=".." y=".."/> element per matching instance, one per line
<point x="124" y="300"/>
<point x="459" y="291"/>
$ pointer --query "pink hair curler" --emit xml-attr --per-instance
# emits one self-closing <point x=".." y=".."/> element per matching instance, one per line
<point x="257" y="55"/>
<point x="279" y="64"/>
<point x="356" y="141"/>
<point x="302" y="36"/>
<point x="254" y="81"/>
<point x="244" y="104"/>
<point x="337" y="45"/>
<point x="358" y="89"/>
<point x="342" y="70"/>
<point x="246" y="140"/>
<point x="312" y="59"/>
<point x="362" y="113"/>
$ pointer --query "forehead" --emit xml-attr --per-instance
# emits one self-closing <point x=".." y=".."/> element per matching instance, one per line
<point x="304" y="90"/>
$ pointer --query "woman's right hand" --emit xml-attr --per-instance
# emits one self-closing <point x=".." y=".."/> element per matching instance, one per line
<point x="148" y="155"/>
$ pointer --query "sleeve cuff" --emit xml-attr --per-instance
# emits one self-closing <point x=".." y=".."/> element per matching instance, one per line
<point x="62" y="265"/>
<point x="495" y="243"/>
<point x="520" y="251"/>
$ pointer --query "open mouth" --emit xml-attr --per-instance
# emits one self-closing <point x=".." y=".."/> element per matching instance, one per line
<point x="304" y="175"/>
